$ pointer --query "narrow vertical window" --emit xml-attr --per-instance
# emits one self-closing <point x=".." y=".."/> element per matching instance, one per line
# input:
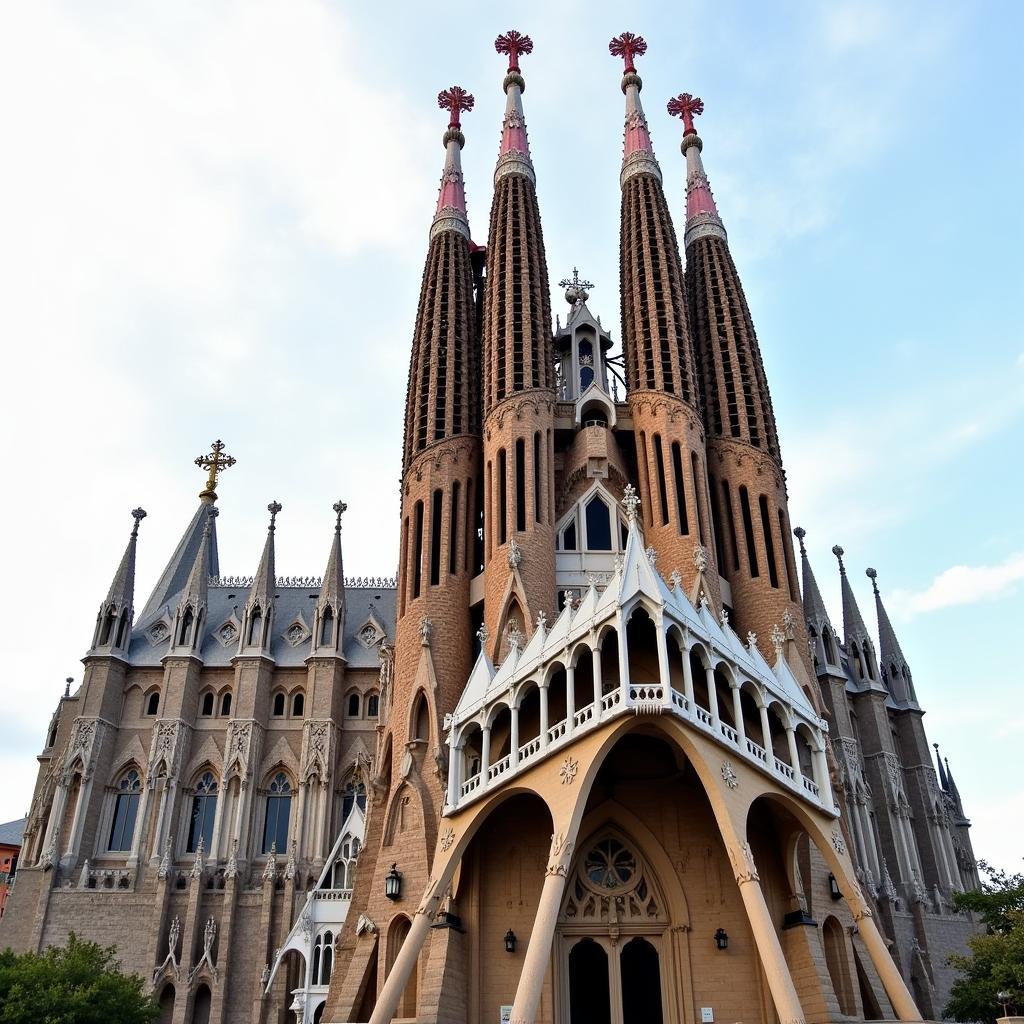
<point x="417" y="545"/>
<point x="204" y="810"/>
<point x="403" y="563"/>
<point x="716" y="524"/>
<point x="769" y="544"/>
<point x="279" y="809"/>
<point x="662" y="489"/>
<point x="748" y="532"/>
<point x="520" y="485"/>
<point x="453" y="531"/>
<point x="731" y="524"/>
<point x="502" y="472"/>
<point x="697" y="489"/>
<point x="488" y="521"/>
<point x="677" y="473"/>
<point x="126" y="807"/>
<point x="435" y="538"/>
<point x="641" y="462"/>
<point x="536" y="478"/>
<point x="787" y="548"/>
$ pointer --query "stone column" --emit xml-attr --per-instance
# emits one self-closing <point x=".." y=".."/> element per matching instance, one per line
<point x="595" y="661"/>
<point x="709" y="676"/>
<point x="766" y="730"/>
<point x="513" y="742"/>
<point x="570" y="699"/>
<point x="538" y="949"/>
<point x="543" y="715"/>
<point x="485" y="753"/>
<point x="773" y="960"/>
<point x="688" y="679"/>
<point x="794" y="756"/>
<point x="454" y="773"/>
<point x="663" y="669"/>
<point x="737" y="711"/>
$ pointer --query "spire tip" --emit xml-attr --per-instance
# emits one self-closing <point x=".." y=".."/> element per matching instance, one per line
<point x="513" y="43"/>
<point x="627" y="45"/>
<point x="687" y="107"/>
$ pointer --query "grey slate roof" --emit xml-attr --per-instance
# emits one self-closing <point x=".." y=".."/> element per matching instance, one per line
<point x="226" y="604"/>
<point x="12" y="832"/>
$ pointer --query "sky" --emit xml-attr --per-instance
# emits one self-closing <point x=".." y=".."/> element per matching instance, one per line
<point x="213" y="221"/>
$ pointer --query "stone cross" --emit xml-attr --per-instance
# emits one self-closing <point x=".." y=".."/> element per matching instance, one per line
<point x="575" y="282"/>
<point x="455" y="99"/>
<point x="686" y="106"/>
<point x="513" y="44"/>
<point x="273" y="508"/>
<point x="340" y="508"/>
<point x="138" y="514"/>
<point x="216" y="462"/>
<point x="627" y="46"/>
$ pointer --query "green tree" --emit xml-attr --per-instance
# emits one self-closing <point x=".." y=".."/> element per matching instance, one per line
<point x="77" y="984"/>
<point x="995" y="964"/>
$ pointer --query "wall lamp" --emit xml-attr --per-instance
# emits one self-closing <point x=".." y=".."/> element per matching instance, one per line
<point x="510" y="941"/>
<point x="393" y="883"/>
<point x="721" y="939"/>
<point x="833" y="887"/>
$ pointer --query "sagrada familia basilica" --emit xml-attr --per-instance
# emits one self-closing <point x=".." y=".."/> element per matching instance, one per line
<point x="598" y="754"/>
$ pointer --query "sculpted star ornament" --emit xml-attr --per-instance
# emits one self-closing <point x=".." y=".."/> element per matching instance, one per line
<point x="837" y="841"/>
<point x="568" y="771"/>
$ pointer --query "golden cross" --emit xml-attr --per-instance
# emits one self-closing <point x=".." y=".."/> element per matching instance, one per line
<point x="216" y="462"/>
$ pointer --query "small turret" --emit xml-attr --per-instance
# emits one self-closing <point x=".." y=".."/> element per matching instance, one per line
<point x="895" y="670"/>
<point x="329" y="617"/>
<point x="819" y="626"/>
<point x="190" y="615"/>
<point x="258" y="617"/>
<point x="113" y="623"/>
<point x="859" y="647"/>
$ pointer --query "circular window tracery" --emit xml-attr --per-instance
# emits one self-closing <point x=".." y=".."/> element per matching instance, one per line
<point x="609" y="865"/>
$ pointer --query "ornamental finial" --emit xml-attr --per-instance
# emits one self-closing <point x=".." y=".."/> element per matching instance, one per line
<point x="778" y="638"/>
<point x="686" y="106"/>
<point x="340" y="508"/>
<point x="216" y="462"/>
<point x="630" y="502"/>
<point x="576" y="289"/>
<point x="138" y="514"/>
<point x="513" y="43"/>
<point x="799" y="532"/>
<point x="483" y="634"/>
<point x="873" y="576"/>
<point x="273" y="508"/>
<point x="627" y="46"/>
<point x="838" y="552"/>
<point x="455" y="100"/>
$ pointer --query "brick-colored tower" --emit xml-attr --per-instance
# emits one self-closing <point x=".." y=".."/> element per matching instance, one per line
<point x="660" y="366"/>
<point x="746" y="478"/>
<point x="433" y="641"/>
<point x="519" y="385"/>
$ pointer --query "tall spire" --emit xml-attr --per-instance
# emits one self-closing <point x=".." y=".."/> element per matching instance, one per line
<point x="114" y="621"/>
<point x="814" y="607"/>
<point x="943" y="781"/>
<point x="894" y="665"/>
<point x="329" y="617"/>
<point x="853" y="623"/>
<point x="514" y="154"/>
<point x="451" y="200"/>
<point x="702" y="217"/>
<point x="442" y="399"/>
<point x="190" y="616"/>
<point x="637" y="150"/>
<point x="257" y="619"/>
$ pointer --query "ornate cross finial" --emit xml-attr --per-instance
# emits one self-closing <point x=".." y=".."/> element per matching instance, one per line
<point x="686" y="106"/>
<point x="455" y="99"/>
<point x="138" y="514"/>
<point x="873" y="576"/>
<point x="340" y="508"/>
<point x="483" y="634"/>
<point x="778" y="638"/>
<point x="216" y="462"/>
<point x="630" y="502"/>
<point x="575" y="289"/>
<point x="838" y="552"/>
<point x="799" y="532"/>
<point x="273" y="508"/>
<point x="627" y="46"/>
<point x="513" y="43"/>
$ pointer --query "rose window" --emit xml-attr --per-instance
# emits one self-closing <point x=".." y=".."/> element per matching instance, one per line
<point x="609" y="865"/>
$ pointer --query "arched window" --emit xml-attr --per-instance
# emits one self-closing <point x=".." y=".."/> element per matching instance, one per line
<point x="298" y="704"/>
<point x="345" y="865"/>
<point x="278" y="705"/>
<point x="279" y="809"/>
<point x="830" y="651"/>
<point x="126" y="808"/>
<point x="256" y="626"/>
<point x="207" y="705"/>
<point x="372" y="705"/>
<point x="327" y="959"/>
<point x="586" y="350"/>
<point x="153" y="703"/>
<point x="225" y="704"/>
<point x="327" y="627"/>
<point x="186" y="626"/>
<point x="52" y="738"/>
<point x="599" y="528"/>
<point x="354" y="793"/>
<point x="421" y="718"/>
<point x="353" y="705"/>
<point x="204" y="809"/>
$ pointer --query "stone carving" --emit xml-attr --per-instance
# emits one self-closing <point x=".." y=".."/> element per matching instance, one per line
<point x="169" y="740"/>
<point x="729" y="775"/>
<point x="788" y="623"/>
<point x="198" y="865"/>
<point x="173" y="934"/>
<point x="700" y="558"/>
<point x="567" y="773"/>
<point x="365" y="926"/>
<point x="751" y="640"/>
<point x="542" y="620"/>
<point x="743" y="865"/>
<point x="515" y="554"/>
<point x="426" y="630"/>
<point x="515" y="637"/>
<point x="292" y="865"/>
<point x="270" y="870"/>
<point x="483" y="635"/>
<point x="447" y="839"/>
<point x="159" y="633"/>
<point x="296" y="633"/>
<point x="165" y="861"/>
<point x="232" y="869"/>
<point x="725" y="617"/>
<point x="316" y="750"/>
<point x="676" y="579"/>
<point x="838" y="842"/>
<point x="630" y="502"/>
<point x="227" y="633"/>
<point x="209" y="936"/>
<point x="559" y="855"/>
<point x="778" y="638"/>
<point x="652" y="557"/>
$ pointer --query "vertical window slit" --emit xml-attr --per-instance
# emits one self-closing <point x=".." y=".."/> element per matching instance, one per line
<point x="748" y="532"/>
<point x="677" y="472"/>
<point x="769" y="544"/>
<point x="662" y="489"/>
<point x="520" y="485"/>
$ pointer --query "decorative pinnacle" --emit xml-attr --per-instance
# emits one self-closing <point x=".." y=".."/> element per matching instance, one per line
<point x="873" y="576"/>
<point x="138" y="514"/>
<point x="838" y="552"/>
<point x="216" y="462"/>
<point x="778" y="638"/>
<point x="455" y="99"/>
<point x="627" y="46"/>
<point x="686" y="106"/>
<point x="575" y="289"/>
<point x="483" y="634"/>
<point x="273" y="508"/>
<point x="799" y="532"/>
<point x="340" y="508"/>
<point x="513" y="43"/>
<point x="630" y="502"/>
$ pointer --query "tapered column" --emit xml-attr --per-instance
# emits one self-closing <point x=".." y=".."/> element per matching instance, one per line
<point x="595" y="661"/>
<point x="544" y="716"/>
<point x="773" y="960"/>
<point x="794" y="756"/>
<point x="538" y="949"/>
<point x="485" y="754"/>
<point x="892" y="981"/>
<point x="709" y="676"/>
<point x="514" y="739"/>
<point x="687" y="678"/>
<point x="570" y="699"/>
<point x="737" y="712"/>
<point x="766" y="730"/>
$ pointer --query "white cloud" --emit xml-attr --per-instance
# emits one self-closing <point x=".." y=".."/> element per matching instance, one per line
<point x="960" y="585"/>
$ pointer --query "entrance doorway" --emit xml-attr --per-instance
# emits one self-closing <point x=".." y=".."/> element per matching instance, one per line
<point x="612" y="983"/>
<point x="641" y="983"/>
<point x="589" y="997"/>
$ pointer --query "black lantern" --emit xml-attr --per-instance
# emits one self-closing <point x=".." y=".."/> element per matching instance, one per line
<point x="510" y="941"/>
<point x="721" y="939"/>
<point x="833" y="887"/>
<point x="393" y="883"/>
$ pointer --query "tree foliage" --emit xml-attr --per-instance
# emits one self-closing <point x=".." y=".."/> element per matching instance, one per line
<point x="80" y="983"/>
<point x="995" y="964"/>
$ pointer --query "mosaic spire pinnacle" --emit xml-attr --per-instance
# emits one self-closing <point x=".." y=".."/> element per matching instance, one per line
<point x="514" y="154"/>
<point x="451" y="200"/>
<point x="637" y="151"/>
<point x="701" y="213"/>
